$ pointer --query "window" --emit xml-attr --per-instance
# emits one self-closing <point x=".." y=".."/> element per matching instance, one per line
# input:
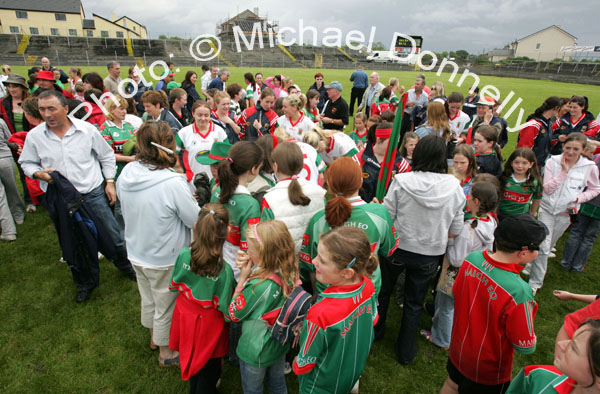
<point x="34" y="30"/>
<point x="54" y="32"/>
<point x="60" y="17"/>
<point x="89" y="33"/>
<point x="72" y="32"/>
<point x="120" y="34"/>
<point x="538" y="45"/>
<point x="14" y="29"/>
<point x="133" y="28"/>
<point x="104" y="33"/>
<point x="21" y="14"/>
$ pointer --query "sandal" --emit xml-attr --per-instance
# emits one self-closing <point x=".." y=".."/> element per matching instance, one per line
<point x="427" y="335"/>
<point x="168" y="362"/>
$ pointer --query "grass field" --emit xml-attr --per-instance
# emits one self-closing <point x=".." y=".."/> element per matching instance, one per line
<point x="52" y="345"/>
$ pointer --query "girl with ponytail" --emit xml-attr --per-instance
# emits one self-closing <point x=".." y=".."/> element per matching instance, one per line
<point x="293" y="119"/>
<point x="159" y="212"/>
<point x="488" y="153"/>
<point x="293" y="200"/>
<point x="242" y="165"/>
<point x="204" y="283"/>
<point x="335" y="354"/>
<point x="538" y="134"/>
<point x="345" y="208"/>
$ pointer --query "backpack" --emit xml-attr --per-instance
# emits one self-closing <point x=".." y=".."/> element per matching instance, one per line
<point x="286" y="329"/>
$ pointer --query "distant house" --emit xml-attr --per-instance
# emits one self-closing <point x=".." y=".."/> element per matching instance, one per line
<point x="62" y="18"/>
<point x="245" y="20"/>
<point x="543" y="45"/>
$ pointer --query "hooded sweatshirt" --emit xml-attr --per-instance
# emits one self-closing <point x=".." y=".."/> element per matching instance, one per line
<point x="159" y="212"/>
<point x="425" y="207"/>
<point x="471" y="239"/>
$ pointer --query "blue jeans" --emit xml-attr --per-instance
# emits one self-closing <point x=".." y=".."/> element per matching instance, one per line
<point x="579" y="245"/>
<point x="419" y="269"/>
<point x="253" y="377"/>
<point x="98" y="203"/>
<point x="441" y="331"/>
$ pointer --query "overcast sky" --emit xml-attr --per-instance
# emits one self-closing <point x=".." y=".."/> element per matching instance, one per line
<point x="473" y="25"/>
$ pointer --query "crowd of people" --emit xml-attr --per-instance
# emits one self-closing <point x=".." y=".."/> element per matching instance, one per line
<point x="252" y="219"/>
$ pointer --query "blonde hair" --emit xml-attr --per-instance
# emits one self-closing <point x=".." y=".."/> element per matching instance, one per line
<point x="438" y="88"/>
<point x="112" y="104"/>
<point x="296" y="101"/>
<point x="437" y="118"/>
<point x="282" y="133"/>
<point x="276" y="252"/>
<point x="220" y="95"/>
<point x="393" y="81"/>
<point x="317" y="135"/>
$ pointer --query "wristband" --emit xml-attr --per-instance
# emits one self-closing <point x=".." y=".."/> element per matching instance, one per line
<point x="110" y="180"/>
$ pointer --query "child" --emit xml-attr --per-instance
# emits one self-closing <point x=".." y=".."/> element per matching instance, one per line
<point x="569" y="180"/>
<point x="293" y="119"/>
<point x="241" y="167"/>
<point x="477" y="235"/>
<point x="373" y="120"/>
<point x="576" y="366"/>
<point x="79" y="90"/>
<point x="205" y="284"/>
<point x="314" y="166"/>
<point x="465" y="166"/>
<point x="218" y="151"/>
<point x="331" y="144"/>
<point x="260" y="119"/>
<point x="266" y="177"/>
<point x="359" y="134"/>
<point x="521" y="184"/>
<point x="116" y="131"/>
<point x="487" y="151"/>
<point x="382" y="103"/>
<point x="312" y="101"/>
<point x="337" y="334"/>
<point x="257" y="300"/>
<point x="494" y="310"/>
<point x="409" y="142"/>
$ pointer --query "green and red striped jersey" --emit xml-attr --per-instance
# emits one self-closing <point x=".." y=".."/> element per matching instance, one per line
<point x="541" y="379"/>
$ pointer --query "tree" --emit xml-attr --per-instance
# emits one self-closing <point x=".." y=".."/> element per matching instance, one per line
<point x="378" y="46"/>
<point x="462" y="54"/>
<point x="163" y="37"/>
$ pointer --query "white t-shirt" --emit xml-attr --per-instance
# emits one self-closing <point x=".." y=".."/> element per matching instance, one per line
<point x="190" y="139"/>
<point x="298" y="129"/>
<point x="205" y="80"/>
<point x="135" y="121"/>
<point x="458" y="123"/>
<point x="340" y="145"/>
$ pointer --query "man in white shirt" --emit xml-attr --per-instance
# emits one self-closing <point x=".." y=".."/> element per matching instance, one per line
<point x="207" y="78"/>
<point x="112" y="80"/>
<point x="76" y="150"/>
<point x="372" y="93"/>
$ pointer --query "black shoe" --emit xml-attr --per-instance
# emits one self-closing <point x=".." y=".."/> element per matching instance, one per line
<point x="131" y="275"/>
<point x="83" y="295"/>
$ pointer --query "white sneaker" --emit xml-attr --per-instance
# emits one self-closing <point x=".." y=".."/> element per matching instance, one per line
<point x="287" y="368"/>
<point x="525" y="271"/>
<point x="8" y="238"/>
<point x="355" y="388"/>
<point x="553" y="250"/>
<point x="30" y="208"/>
<point x="534" y="291"/>
<point x="551" y="255"/>
<point x="19" y="221"/>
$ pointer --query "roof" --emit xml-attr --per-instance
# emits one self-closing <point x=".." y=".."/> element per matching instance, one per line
<point x="125" y="16"/>
<point x="64" y="6"/>
<point x="501" y="52"/>
<point x="89" y="24"/>
<point x="116" y="24"/>
<point x="539" y="31"/>
<point x="242" y="15"/>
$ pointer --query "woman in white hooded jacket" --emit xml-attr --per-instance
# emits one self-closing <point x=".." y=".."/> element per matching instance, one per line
<point x="159" y="212"/>
<point x="426" y="206"/>
<point x="569" y="180"/>
<point x="293" y="200"/>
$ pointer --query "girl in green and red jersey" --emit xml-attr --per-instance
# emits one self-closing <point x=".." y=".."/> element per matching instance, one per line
<point x="337" y="334"/>
<point x="359" y="134"/>
<point x="205" y="284"/>
<point x="268" y="273"/>
<point x="116" y="131"/>
<point x="521" y="184"/>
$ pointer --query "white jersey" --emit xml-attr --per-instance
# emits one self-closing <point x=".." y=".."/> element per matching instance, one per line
<point x="313" y="164"/>
<point x="299" y="128"/>
<point x="458" y="124"/>
<point x="190" y="139"/>
<point x="339" y="146"/>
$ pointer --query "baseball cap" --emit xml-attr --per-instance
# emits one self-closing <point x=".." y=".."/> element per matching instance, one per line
<point x="520" y="232"/>
<point x="486" y="101"/>
<point x="218" y="151"/>
<point x="173" y="85"/>
<point x="47" y="75"/>
<point x="334" y="85"/>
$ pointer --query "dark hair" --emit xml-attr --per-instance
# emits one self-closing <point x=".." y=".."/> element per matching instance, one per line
<point x="312" y="93"/>
<point x="278" y="106"/>
<point x="131" y="106"/>
<point x="32" y="73"/>
<point x="409" y="135"/>
<point x="199" y="103"/>
<point x="243" y="156"/>
<point x="266" y="92"/>
<point x="205" y="67"/>
<point x="487" y="194"/>
<point x="533" y="174"/>
<point x="277" y="77"/>
<point x="250" y="78"/>
<point x="580" y="137"/>
<point x="476" y="90"/>
<point x="54" y="93"/>
<point x="593" y="354"/>
<point x="455" y="97"/>
<point x="111" y="64"/>
<point x="430" y="155"/>
<point x="130" y="72"/>
<point x="210" y="233"/>
<point x="160" y="133"/>
<point x="490" y="133"/>
<point x="581" y="100"/>
<point x="233" y="89"/>
<point x="550" y="103"/>
<point x="385" y="93"/>
<point x="94" y="79"/>
<point x="371" y="139"/>
<point x="92" y="93"/>
<point x="467" y="151"/>
<point x="344" y="178"/>
<point x="347" y="245"/>
<point x="388" y="116"/>
<point x="30" y="106"/>
<point x="187" y="81"/>
<point x="170" y="64"/>
<point x="266" y="144"/>
<point x="155" y="97"/>
<point x="290" y="161"/>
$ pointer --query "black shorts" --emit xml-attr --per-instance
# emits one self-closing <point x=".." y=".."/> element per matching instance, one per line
<point x="467" y="386"/>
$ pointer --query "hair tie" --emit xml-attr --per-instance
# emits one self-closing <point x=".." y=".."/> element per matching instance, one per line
<point x="211" y="212"/>
<point x="230" y="160"/>
<point x="163" y="148"/>
<point x="351" y="263"/>
<point x="295" y="177"/>
<point x="256" y="234"/>
<point x="339" y="194"/>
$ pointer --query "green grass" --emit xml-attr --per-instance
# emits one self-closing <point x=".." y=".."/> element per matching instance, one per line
<point x="50" y="344"/>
